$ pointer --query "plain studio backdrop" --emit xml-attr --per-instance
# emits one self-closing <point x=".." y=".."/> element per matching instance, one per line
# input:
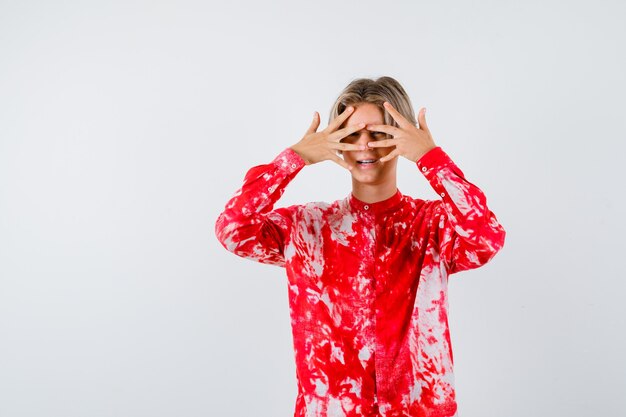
<point x="126" y="126"/>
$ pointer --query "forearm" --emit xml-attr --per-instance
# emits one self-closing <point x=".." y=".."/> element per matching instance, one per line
<point x="248" y="226"/>
<point x="464" y="203"/>
<point x="469" y="233"/>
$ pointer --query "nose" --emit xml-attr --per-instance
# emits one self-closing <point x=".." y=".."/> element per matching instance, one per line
<point x="364" y="137"/>
<point x="360" y="137"/>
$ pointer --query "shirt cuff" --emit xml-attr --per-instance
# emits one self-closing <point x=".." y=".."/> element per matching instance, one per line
<point x="289" y="161"/>
<point x="433" y="161"/>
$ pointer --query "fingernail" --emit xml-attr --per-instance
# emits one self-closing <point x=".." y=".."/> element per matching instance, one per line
<point x="350" y="108"/>
<point x="363" y="148"/>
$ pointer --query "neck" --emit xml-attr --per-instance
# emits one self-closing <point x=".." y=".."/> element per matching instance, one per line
<point x="373" y="193"/>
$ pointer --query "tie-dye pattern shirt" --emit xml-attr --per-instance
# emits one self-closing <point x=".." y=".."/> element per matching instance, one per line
<point x="367" y="284"/>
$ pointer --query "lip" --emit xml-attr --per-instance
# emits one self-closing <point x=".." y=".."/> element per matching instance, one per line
<point x="368" y="166"/>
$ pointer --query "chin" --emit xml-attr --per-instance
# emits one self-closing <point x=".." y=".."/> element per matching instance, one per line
<point x="367" y="178"/>
<point x="374" y="176"/>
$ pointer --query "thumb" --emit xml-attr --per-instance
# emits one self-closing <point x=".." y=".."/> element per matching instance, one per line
<point x="315" y="123"/>
<point x="421" y="118"/>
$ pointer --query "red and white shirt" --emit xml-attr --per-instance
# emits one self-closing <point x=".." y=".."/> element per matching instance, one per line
<point x="367" y="284"/>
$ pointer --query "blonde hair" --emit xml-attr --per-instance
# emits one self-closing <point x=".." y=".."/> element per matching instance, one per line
<point x="367" y="90"/>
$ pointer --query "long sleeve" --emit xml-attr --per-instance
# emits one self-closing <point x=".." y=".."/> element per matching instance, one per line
<point x="248" y="226"/>
<point x="469" y="233"/>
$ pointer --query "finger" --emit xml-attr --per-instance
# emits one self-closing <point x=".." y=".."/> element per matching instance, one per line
<point x="342" y="133"/>
<point x="391" y="155"/>
<point x="340" y="119"/>
<point x="346" y="147"/>
<point x="421" y="119"/>
<point x="341" y="162"/>
<point x="385" y="143"/>
<point x="391" y="130"/>
<point x="399" y="118"/>
<point x="315" y="123"/>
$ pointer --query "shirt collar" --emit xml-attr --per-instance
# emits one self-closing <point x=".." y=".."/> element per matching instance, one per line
<point x="377" y="207"/>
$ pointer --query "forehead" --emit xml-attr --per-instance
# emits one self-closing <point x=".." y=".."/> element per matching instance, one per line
<point x="367" y="113"/>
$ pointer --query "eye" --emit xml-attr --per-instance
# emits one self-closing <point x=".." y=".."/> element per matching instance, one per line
<point x="379" y="135"/>
<point x="352" y="137"/>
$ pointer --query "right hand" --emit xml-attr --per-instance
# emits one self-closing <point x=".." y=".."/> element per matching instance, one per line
<point x="320" y="146"/>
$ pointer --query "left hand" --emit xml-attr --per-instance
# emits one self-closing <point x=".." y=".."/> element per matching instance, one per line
<point x="410" y="141"/>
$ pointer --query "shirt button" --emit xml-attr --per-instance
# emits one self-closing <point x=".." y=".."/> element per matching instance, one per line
<point x="294" y="166"/>
<point x="366" y="207"/>
<point x="423" y="169"/>
<point x="443" y="194"/>
<point x="271" y="189"/>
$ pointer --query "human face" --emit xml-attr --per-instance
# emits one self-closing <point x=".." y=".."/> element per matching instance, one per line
<point x="373" y="173"/>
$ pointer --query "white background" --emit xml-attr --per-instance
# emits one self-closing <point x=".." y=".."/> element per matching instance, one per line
<point x="126" y="126"/>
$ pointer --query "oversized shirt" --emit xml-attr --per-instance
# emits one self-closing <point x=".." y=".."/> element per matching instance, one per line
<point x="367" y="284"/>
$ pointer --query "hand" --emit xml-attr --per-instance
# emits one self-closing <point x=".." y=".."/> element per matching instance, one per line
<point x="320" y="146"/>
<point x="410" y="141"/>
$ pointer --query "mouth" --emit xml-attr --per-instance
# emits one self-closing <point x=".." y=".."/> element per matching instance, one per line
<point x="367" y="161"/>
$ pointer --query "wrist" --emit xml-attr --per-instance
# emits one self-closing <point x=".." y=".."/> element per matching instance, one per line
<point x="297" y="150"/>
<point x="425" y="152"/>
<point x="418" y="156"/>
